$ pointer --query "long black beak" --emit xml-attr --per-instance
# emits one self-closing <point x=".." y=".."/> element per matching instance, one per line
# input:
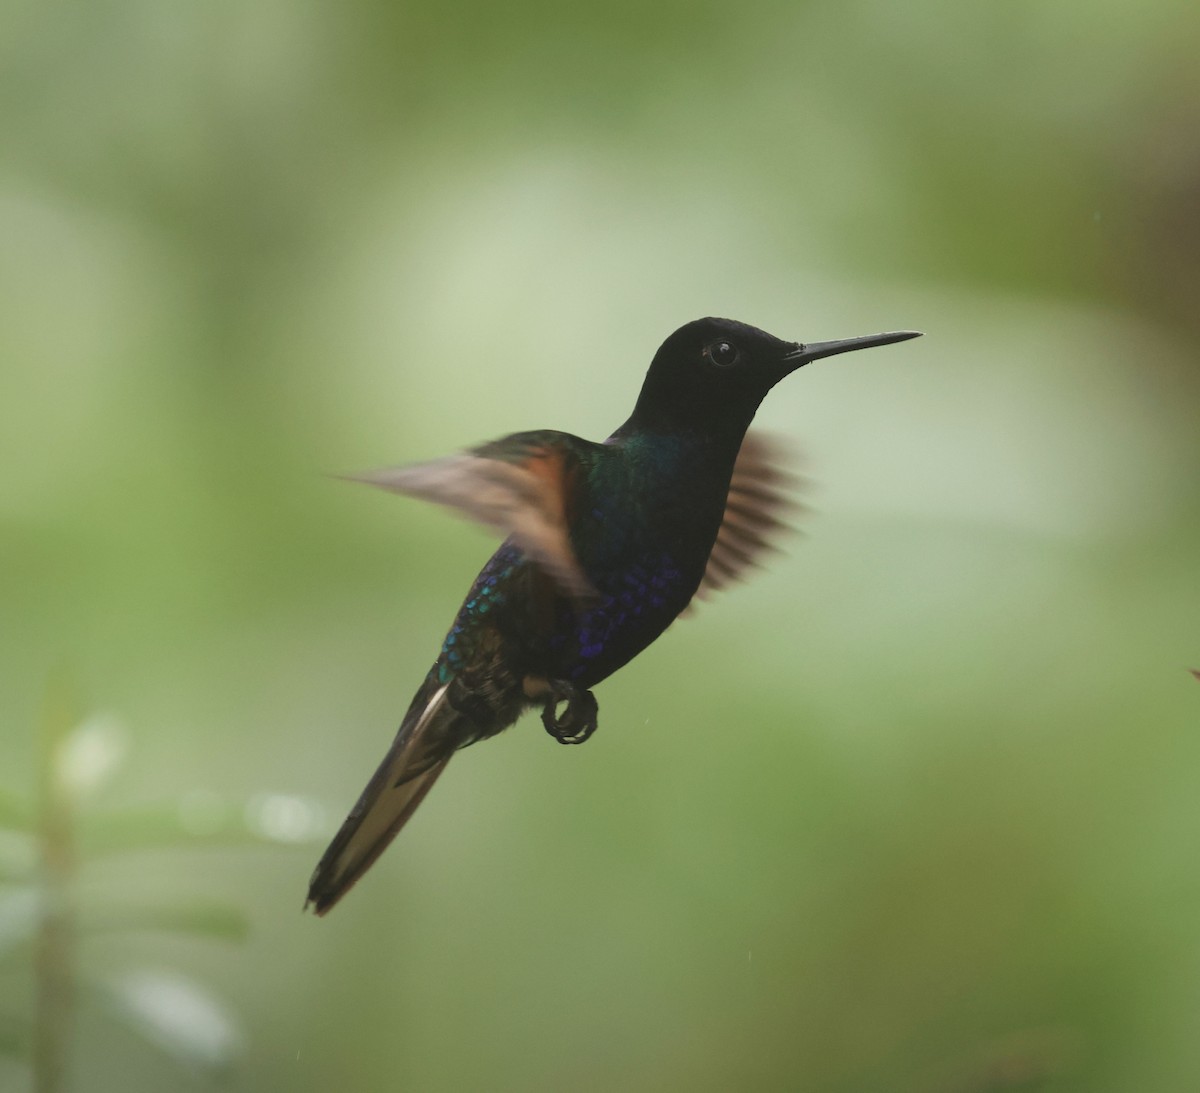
<point x="802" y="354"/>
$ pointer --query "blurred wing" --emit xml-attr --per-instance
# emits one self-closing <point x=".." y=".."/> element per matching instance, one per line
<point x="519" y="487"/>
<point x="760" y="494"/>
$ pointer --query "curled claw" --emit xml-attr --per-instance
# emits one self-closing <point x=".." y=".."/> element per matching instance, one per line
<point x="578" y="721"/>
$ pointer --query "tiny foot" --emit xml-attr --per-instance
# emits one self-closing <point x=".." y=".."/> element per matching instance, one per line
<point x="578" y="721"/>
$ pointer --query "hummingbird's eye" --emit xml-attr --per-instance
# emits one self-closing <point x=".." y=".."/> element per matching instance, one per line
<point x="723" y="354"/>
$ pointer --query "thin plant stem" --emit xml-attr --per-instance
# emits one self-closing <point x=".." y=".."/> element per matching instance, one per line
<point x="54" y="976"/>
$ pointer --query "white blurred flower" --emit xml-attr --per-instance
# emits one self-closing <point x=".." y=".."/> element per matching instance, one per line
<point x="285" y="818"/>
<point x="92" y="753"/>
<point x="179" y="1016"/>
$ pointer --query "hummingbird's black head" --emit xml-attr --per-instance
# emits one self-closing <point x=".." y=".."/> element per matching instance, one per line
<point x="710" y="375"/>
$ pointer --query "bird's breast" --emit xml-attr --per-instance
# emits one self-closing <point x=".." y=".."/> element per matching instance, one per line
<point x="635" y="604"/>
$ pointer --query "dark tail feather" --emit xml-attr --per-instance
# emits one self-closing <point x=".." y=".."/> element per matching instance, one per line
<point x="420" y="752"/>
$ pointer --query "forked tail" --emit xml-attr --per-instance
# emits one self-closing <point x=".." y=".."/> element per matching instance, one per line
<point x="422" y="748"/>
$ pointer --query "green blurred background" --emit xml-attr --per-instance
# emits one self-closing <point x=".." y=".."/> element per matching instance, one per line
<point x="916" y="809"/>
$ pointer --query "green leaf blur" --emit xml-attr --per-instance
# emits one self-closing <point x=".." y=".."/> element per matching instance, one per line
<point x="915" y="809"/>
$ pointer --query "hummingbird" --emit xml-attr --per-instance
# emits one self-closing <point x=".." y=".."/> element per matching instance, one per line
<point x="604" y="546"/>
